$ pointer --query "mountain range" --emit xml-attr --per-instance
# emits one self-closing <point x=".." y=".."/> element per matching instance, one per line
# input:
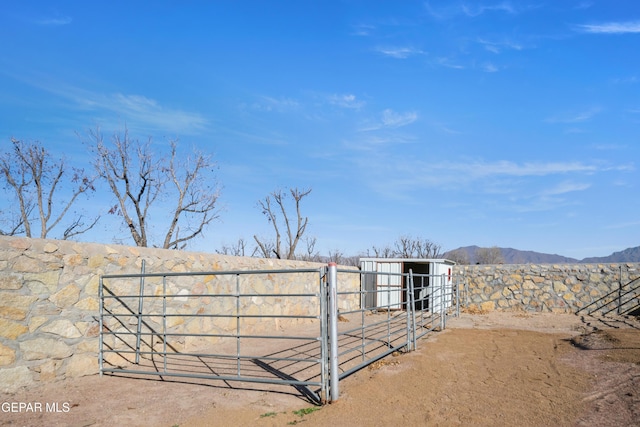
<point x="515" y="256"/>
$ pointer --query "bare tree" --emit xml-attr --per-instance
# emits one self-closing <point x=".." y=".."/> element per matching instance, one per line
<point x="382" y="252"/>
<point x="196" y="200"/>
<point x="407" y="247"/>
<point x="237" y="249"/>
<point x="416" y="247"/>
<point x="491" y="255"/>
<point x="37" y="180"/>
<point x="337" y="256"/>
<point x="272" y="207"/>
<point x="14" y="221"/>
<point x="139" y="181"/>
<point x="310" y="253"/>
<point x="459" y="256"/>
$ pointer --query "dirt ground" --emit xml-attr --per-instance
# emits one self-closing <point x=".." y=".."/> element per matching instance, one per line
<point x="497" y="369"/>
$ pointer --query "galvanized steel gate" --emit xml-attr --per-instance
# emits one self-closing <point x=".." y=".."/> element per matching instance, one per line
<point x="241" y="326"/>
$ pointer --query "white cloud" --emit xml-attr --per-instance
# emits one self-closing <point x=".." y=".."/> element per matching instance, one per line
<point x="452" y="10"/>
<point x="363" y="30"/>
<point x="346" y="101"/>
<point x="137" y="111"/>
<point x="399" y="174"/>
<point x="392" y="119"/>
<point x="504" y="167"/>
<point x="149" y="111"/>
<point x="611" y="28"/>
<point x="480" y="9"/>
<point x="446" y="62"/>
<point x="626" y="80"/>
<point x="282" y="104"/>
<point x="489" y="67"/>
<point x="565" y="187"/>
<point x="374" y="143"/>
<point x="577" y="117"/>
<point x="498" y="47"/>
<point x="584" y="5"/>
<point x="389" y="119"/>
<point x="55" y="22"/>
<point x="399" y="52"/>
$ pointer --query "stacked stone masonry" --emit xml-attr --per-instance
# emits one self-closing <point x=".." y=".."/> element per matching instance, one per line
<point x="49" y="304"/>
<point x="557" y="288"/>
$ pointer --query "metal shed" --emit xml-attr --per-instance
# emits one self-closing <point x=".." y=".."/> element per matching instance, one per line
<point x="388" y="287"/>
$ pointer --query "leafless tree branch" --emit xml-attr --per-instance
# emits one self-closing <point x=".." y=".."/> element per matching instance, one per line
<point x="293" y="235"/>
<point x="137" y="179"/>
<point x="36" y="180"/>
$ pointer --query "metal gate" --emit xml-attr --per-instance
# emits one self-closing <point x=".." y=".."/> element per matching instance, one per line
<point x="289" y="327"/>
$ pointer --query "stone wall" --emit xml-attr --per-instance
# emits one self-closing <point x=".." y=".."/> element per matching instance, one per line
<point x="49" y="304"/>
<point x="558" y="288"/>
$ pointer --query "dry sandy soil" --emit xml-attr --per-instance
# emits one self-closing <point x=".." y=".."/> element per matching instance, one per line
<point x="497" y="369"/>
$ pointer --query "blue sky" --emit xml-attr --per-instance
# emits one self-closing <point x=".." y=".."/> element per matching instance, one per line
<point x="490" y="123"/>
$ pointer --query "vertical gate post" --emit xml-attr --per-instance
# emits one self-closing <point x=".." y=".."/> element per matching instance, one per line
<point x="101" y="326"/>
<point x="412" y="340"/>
<point x="334" y="374"/>
<point x="324" y="336"/>
<point x="620" y="291"/>
<point x="443" y="302"/>
<point x="140" y="307"/>
<point x="457" y="284"/>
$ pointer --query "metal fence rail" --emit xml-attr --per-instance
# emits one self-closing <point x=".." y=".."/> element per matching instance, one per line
<point x="374" y="331"/>
<point x="272" y="326"/>
<point x="155" y="324"/>
<point x="624" y="300"/>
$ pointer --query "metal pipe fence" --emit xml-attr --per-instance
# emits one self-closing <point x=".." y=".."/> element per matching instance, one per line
<point x="306" y="328"/>
<point x="223" y="325"/>
<point x="398" y="317"/>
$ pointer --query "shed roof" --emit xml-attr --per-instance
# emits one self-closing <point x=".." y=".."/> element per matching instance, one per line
<point x="414" y="260"/>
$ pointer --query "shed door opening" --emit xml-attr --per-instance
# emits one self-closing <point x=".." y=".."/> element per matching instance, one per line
<point x="420" y="284"/>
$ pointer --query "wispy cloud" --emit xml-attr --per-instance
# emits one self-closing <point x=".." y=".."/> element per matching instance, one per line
<point x="149" y="111"/>
<point x="398" y="52"/>
<point x="363" y="30"/>
<point x="626" y="80"/>
<point x="611" y="28"/>
<point x="577" y="117"/>
<point x="55" y="21"/>
<point x="478" y="10"/>
<point x="499" y="46"/>
<point x="390" y="119"/>
<point x="489" y="67"/>
<point x="565" y="187"/>
<point x="584" y="5"/>
<point x="398" y="176"/>
<point x="282" y="104"/>
<point x="448" y="63"/>
<point x="393" y="119"/>
<point x="452" y="10"/>
<point x="136" y="110"/>
<point x="374" y="143"/>
<point x="346" y="101"/>
<point x="479" y="169"/>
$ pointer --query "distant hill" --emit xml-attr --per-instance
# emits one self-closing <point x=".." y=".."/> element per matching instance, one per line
<point x="515" y="256"/>
<point x="628" y="255"/>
